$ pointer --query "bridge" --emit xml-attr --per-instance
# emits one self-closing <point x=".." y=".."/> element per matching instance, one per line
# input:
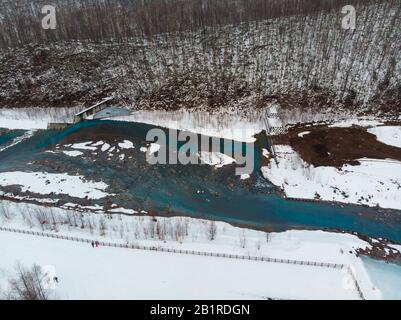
<point x="92" y="110"/>
<point x="102" y="109"/>
<point x="274" y="127"/>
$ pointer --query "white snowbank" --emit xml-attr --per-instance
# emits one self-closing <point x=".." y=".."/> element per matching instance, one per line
<point x="357" y="122"/>
<point x="105" y="147"/>
<point x="123" y="210"/>
<point x="390" y="135"/>
<point x="153" y="148"/>
<point x="216" y="159"/>
<point x="228" y="126"/>
<point x="373" y="182"/>
<point x="80" y="277"/>
<point x="112" y="273"/>
<point x="58" y="183"/>
<point x="84" y="146"/>
<point x="126" y="144"/>
<point x="72" y="153"/>
<point x="302" y="134"/>
<point x="34" y="118"/>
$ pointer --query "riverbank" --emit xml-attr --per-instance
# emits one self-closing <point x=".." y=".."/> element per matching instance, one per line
<point x="93" y="152"/>
<point x="340" y="162"/>
<point x="198" y="235"/>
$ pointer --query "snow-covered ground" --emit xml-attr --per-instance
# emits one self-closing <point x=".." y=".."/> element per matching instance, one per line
<point x="111" y="273"/>
<point x="390" y="135"/>
<point x="373" y="182"/>
<point x="105" y="272"/>
<point x="225" y="125"/>
<point x="216" y="159"/>
<point x="361" y="122"/>
<point x="34" y="118"/>
<point x="57" y="183"/>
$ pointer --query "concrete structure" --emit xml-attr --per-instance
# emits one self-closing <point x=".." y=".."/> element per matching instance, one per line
<point x="112" y="112"/>
<point x="105" y="103"/>
<point x="57" y="126"/>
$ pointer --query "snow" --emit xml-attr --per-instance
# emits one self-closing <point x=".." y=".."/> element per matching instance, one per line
<point x="22" y="124"/>
<point x="216" y="159"/>
<point x="153" y="148"/>
<point x="245" y="176"/>
<point x="373" y="182"/>
<point x="265" y="153"/>
<point x="302" y="134"/>
<point x="123" y="210"/>
<point x="111" y="273"/>
<point x="93" y="106"/>
<point x="34" y="118"/>
<point x="143" y="149"/>
<point x="390" y="135"/>
<point x="105" y="147"/>
<point x="356" y="122"/>
<point x="282" y="148"/>
<point x="73" y="153"/>
<point x="126" y="144"/>
<point x="228" y="126"/>
<point x="99" y="143"/>
<point x="58" y="183"/>
<point x="87" y="268"/>
<point x="83" y="146"/>
<point x="19" y="139"/>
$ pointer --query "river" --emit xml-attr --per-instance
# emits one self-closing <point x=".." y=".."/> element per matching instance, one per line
<point x="191" y="190"/>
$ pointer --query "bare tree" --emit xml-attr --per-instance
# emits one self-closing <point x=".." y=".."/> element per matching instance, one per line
<point x="27" y="284"/>
<point x="5" y="211"/>
<point x="267" y="237"/>
<point x="242" y="239"/>
<point x="102" y="227"/>
<point x="211" y="231"/>
<point x="178" y="230"/>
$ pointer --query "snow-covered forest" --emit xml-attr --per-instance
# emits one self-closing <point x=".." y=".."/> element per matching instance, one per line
<point x="256" y="52"/>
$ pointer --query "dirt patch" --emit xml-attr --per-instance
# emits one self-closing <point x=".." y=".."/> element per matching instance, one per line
<point x="325" y="146"/>
<point x="96" y="133"/>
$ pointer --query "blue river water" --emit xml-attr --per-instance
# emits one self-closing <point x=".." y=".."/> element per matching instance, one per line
<point x="193" y="190"/>
<point x="9" y="136"/>
<point x="385" y="276"/>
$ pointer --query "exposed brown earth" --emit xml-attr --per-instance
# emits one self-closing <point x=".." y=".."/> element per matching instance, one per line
<point x="96" y="133"/>
<point x="330" y="146"/>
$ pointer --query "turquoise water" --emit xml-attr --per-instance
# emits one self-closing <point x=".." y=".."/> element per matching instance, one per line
<point x="9" y="136"/>
<point x="194" y="190"/>
<point x="385" y="276"/>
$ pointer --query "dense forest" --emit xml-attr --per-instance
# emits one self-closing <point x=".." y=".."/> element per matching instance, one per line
<point x="171" y="54"/>
<point x="120" y="20"/>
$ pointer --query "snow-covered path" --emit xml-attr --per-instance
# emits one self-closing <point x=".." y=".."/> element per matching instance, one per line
<point x="114" y="273"/>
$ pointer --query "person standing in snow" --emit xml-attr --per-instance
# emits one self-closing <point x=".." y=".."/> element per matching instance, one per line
<point x="97" y="243"/>
<point x="93" y="244"/>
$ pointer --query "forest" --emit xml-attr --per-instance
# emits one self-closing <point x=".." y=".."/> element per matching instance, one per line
<point x="214" y="54"/>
